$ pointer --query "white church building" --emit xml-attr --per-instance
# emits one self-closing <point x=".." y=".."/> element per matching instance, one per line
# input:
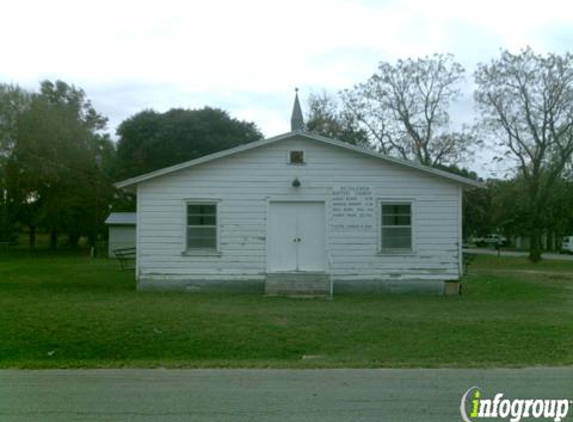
<point x="298" y="213"/>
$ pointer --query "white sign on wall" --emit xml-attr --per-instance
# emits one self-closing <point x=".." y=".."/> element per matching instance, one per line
<point x="352" y="208"/>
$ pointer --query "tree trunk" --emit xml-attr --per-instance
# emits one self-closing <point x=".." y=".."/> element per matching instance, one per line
<point x="4" y="223"/>
<point x="535" y="245"/>
<point x="536" y="222"/>
<point x="91" y="240"/>
<point x="32" y="236"/>
<point x="7" y="226"/>
<point x="73" y="240"/>
<point x="53" y="240"/>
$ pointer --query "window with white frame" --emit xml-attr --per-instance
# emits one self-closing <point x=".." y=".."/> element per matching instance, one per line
<point x="202" y="226"/>
<point x="396" y="227"/>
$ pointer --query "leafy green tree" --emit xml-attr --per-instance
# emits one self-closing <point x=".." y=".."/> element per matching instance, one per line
<point x="559" y="212"/>
<point x="526" y="101"/>
<point x="150" y="140"/>
<point x="13" y="101"/>
<point x="509" y="208"/>
<point x="58" y="153"/>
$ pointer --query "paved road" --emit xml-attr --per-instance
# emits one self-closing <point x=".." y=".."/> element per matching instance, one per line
<point x="394" y="395"/>
<point x="484" y="251"/>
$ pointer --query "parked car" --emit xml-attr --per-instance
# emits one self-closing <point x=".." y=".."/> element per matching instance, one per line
<point x="567" y="244"/>
<point x="491" y="239"/>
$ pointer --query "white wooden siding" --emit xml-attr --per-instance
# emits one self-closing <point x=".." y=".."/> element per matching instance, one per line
<point x="246" y="182"/>
<point x="120" y="237"/>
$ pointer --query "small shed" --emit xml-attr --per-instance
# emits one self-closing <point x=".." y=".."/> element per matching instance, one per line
<point x="121" y="231"/>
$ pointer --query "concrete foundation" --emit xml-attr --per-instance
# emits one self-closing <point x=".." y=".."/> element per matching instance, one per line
<point x="431" y="287"/>
<point x="315" y="284"/>
<point x="208" y="286"/>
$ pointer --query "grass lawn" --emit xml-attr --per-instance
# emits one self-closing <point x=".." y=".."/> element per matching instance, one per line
<point x="72" y="311"/>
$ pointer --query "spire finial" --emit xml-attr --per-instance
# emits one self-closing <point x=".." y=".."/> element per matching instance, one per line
<point x="296" y="120"/>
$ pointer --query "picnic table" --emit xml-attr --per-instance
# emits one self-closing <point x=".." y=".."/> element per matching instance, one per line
<point x="126" y="257"/>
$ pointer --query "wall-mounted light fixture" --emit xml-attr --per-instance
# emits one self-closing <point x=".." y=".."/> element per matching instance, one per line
<point x="296" y="183"/>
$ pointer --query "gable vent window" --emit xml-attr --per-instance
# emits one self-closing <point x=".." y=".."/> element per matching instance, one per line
<point x="296" y="157"/>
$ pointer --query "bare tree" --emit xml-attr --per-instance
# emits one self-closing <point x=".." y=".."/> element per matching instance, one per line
<point x="326" y="117"/>
<point x="526" y="102"/>
<point x="404" y="108"/>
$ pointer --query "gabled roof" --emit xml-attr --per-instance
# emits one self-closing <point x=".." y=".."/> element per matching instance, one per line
<point x="121" y="219"/>
<point x="321" y="139"/>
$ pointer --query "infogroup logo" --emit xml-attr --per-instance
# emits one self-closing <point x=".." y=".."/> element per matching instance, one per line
<point x="474" y="406"/>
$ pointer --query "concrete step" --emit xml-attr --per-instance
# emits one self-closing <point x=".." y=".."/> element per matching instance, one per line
<point x="298" y="284"/>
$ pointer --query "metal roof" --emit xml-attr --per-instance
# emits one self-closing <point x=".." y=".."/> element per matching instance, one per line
<point x="245" y="147"/>
<point x="121" y="219"/>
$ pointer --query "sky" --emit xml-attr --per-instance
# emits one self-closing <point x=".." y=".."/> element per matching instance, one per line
<point x="247" y="56"/>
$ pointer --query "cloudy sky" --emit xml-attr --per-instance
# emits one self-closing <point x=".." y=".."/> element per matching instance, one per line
<point x="247" y="56"/>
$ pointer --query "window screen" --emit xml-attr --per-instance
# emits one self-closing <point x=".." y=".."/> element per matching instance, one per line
<point x="201" y="226"/>
<point x="396" y="226"/>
